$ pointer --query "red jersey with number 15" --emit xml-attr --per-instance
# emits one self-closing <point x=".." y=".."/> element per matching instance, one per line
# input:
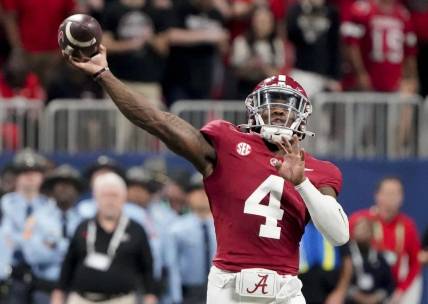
<point x="384" y="37"/>
<point x="259" y="217"/>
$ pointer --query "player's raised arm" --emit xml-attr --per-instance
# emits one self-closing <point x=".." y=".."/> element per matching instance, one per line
<point x="177" y="134"/>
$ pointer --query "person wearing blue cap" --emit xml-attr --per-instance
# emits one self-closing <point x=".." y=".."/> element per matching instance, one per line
<point x="48" y="232"/>
<point x="17" y="208"/>
<point x="193" y="243"/>
<point x="154" y="216"/>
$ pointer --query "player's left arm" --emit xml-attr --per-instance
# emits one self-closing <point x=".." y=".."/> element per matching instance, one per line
<point x="179" y="136"/>
<point x="326" y="213"/>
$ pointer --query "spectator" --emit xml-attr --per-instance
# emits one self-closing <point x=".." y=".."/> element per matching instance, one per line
<point x="141" y="208"/>
<point x="16" y="80"/>
<point x="156" y="167"/>
<point x="157" y="207"/>
<point x="381" y="41"/>
<point x="141" y="191"/>
<point x="325" y="270"/>
<point x="103" y="164"/>
<point x="396" y="235"/>
<point x="17" y="207"/>
<point x="195" y="40"/>
<point x="372" y="282"/>
<point x="174" y="191"/>
<point x="48" y="231"/>
<point x="33" y="35"/>
<point x="377" y="47"/>
<point x="313" y="28"/>
<point x="72" y="85"/>
<point x="194" y="245"/>
<point x="135" y="35"/>
<point x="138" y="194"/>
<point x="420" y="20"/>
<point x="108" y="255"/>
<point x="257" y="54"/>
<point x="239" y="13"/>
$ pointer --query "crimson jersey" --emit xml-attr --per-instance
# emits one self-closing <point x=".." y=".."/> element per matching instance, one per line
<point x="259" y="217"/>
<point x="384" y="38"/>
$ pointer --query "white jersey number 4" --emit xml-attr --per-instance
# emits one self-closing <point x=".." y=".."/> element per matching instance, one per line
<point x="273" y="186"/>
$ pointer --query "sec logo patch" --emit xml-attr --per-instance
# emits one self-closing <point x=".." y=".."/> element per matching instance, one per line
<point x="273" y="162"/>
<point x="243" y="149"/>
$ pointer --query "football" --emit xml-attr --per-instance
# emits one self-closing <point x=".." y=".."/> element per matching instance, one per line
<point x="80" y="36"/>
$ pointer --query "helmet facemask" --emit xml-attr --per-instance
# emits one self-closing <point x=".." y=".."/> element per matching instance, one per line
<point x="277" y="112"/>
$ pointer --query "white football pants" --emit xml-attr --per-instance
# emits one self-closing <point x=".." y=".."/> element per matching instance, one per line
<point x="221" y="289"/>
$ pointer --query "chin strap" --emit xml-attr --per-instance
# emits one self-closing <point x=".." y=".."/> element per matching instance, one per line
<point x="275" y="134"/>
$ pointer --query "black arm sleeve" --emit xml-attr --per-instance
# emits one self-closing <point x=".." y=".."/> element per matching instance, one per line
<point x="70" y="260"/>
<point x="146" y="263"/>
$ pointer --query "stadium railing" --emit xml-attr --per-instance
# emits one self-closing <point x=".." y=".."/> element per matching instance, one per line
<point x="199" y="112"/>
<point x="423" y="134"/>
<point x="20" y="123"/>
<point x="92" y="125"/>
<point x="347" y="125"/>
<point x="366" y="125"/>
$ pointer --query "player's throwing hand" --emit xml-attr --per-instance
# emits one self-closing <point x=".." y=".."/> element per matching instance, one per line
<point x="94" y="65"/>
<point x="292" y="168"/>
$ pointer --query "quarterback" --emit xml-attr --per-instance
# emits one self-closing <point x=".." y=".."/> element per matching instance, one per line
<point x="263" y="188"/>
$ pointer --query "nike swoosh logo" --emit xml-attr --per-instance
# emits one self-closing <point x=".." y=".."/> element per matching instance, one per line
<point x="307" y="169"/>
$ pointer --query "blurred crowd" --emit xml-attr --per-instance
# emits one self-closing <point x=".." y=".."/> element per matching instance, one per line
<point x="146" y="235"/>
<point x="219" y="49"/>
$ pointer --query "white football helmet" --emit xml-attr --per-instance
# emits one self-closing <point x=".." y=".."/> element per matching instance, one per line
<point x="278" y="107"/>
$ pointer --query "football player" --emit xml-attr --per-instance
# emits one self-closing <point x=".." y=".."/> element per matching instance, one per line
<point x="263" y="188"/>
